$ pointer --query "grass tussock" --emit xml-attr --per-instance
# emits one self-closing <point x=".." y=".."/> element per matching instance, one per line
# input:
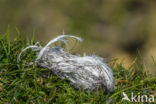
<point x="21" y="83"/>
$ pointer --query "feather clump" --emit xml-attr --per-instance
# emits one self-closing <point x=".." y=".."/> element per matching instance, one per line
<point x="87" y="72"/>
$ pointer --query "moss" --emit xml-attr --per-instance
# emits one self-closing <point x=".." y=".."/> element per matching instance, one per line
<point x="22" y="83"/>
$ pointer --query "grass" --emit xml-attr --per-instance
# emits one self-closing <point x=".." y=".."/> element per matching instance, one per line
<point x="28" y="84"/>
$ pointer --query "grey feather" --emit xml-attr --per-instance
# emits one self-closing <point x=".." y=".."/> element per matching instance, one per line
<point x="88" y="72"/>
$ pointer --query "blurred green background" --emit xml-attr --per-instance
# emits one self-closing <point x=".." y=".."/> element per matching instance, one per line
<point x="110" y="28"/>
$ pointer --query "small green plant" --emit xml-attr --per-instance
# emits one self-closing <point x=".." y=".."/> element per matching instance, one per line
<point x="21" y="83"/>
